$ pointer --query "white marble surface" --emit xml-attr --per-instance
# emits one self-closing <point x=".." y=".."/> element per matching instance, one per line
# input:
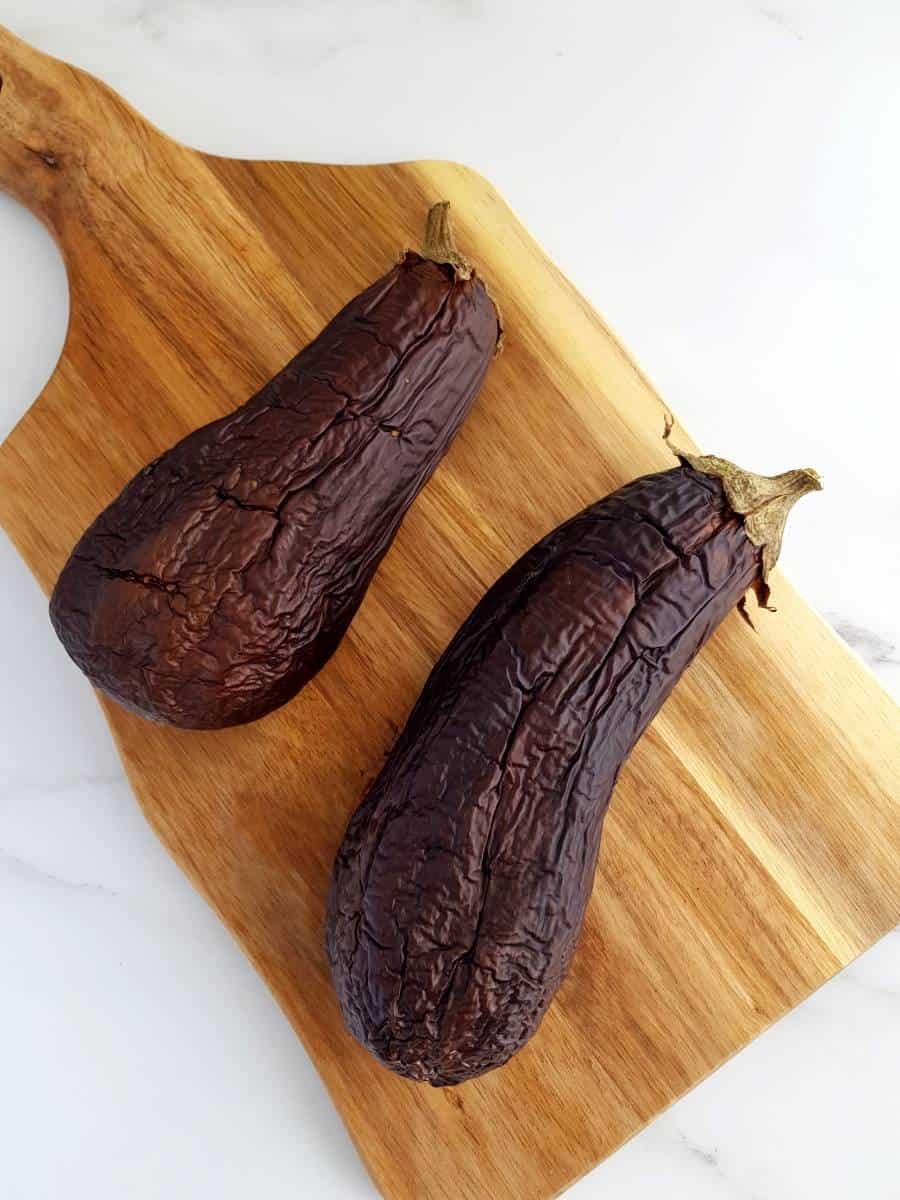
<point x="721" y="178"/>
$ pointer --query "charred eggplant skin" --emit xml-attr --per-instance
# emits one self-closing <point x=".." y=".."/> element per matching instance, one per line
<point x="461" y="885"/>
<point x="225" y="574"/>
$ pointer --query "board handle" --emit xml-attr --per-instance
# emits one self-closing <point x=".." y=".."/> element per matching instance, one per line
<point x="56" y="124"/>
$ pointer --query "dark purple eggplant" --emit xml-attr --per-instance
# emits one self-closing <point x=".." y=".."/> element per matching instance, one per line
<point x="461" y="885"/>
<point x="225" y="574"/>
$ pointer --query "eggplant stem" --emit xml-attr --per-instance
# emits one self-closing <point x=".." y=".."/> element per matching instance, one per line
<point x="439" y="244"/>
<point x="764" y="502"/>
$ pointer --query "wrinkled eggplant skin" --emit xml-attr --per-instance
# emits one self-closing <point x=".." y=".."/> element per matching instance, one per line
<point x="225" y="574"/>
<point x="460" y="889"/>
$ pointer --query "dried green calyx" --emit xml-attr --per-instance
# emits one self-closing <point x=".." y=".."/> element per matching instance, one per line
<point x="764" y="502"/>
<point x="439" y="245"/>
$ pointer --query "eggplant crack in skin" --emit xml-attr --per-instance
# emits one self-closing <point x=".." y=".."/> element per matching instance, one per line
<point x="253" y="540"/>
<point x="462" y="882"/>
<point x="226" y="496"/>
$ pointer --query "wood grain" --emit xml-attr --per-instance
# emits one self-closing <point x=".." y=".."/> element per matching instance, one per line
<point x="753" y="846"/>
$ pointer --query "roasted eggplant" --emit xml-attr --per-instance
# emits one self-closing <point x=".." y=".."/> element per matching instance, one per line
<point x="225" y="574"/>
<point x="461" y="885"/>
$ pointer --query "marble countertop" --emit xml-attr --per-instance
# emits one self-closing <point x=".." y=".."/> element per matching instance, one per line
<point x="721" y="179"/>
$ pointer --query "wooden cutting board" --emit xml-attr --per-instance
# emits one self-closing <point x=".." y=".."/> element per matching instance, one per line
<point x="753" y="846"/>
